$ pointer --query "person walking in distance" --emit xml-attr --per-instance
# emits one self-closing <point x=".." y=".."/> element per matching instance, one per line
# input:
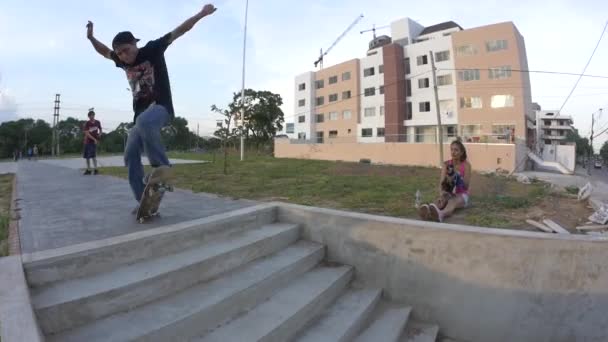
<point x="92" y="134"/>
<point x="148" y="78"/>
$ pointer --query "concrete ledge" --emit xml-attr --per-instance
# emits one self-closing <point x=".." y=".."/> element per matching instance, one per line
<point x="14" y="243"/>
<point x="478" y="284"/>
<point x="101" y="255"/>
<point x="17" y="319"/>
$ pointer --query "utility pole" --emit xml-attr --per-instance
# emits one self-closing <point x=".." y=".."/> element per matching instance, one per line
<point x="590" y="154"/>
<point x="243" y="88"/>
<point x="439" y="127"/>
<point x="55" y="143"/>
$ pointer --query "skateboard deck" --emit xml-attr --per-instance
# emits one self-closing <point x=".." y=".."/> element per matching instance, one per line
<point x="151" y="198"/>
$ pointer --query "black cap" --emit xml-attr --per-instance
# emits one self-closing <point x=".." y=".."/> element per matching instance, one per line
<point x="124" y="37"/>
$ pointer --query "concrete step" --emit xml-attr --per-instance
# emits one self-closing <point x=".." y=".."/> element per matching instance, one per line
<point x="387" y="324"/>
<point x="196" y="310"/>
<point x="345" y="319"/>
<point x="94" y="257"/>
<point x="287" y="311"/>
<point x="76" y="302"/>
<point x="420" y="332"/>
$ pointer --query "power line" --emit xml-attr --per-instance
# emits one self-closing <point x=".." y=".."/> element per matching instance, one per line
<point x="585" y="69"/>
<point x="530" y="71"/>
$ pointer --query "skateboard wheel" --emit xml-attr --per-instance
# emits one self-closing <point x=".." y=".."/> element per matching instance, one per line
<point x="141" y="220"/>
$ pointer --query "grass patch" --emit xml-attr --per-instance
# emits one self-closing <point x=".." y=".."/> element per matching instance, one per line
<point x="377" y="189"/>
<point x="6" y="186"/>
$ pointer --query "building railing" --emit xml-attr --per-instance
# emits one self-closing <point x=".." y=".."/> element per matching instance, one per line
<point x="409" y="138"/>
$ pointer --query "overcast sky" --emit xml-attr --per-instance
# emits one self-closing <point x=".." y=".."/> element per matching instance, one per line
<point x="44" y="50"/>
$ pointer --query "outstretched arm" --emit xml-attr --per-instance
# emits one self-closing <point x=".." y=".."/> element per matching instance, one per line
<point x="99" y="46"/>
<point x="189" y="24"/>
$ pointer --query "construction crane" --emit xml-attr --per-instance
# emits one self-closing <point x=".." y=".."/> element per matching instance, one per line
<point x="374" y="28"/>
<point x="322" y="54"/>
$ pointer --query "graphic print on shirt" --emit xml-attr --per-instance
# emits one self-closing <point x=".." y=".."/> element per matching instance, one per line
<point x="141" y="81"/>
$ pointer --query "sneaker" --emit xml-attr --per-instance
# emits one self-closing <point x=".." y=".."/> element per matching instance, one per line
<point x="87" y="172"/>
<point x="161" y="174"/>
<point x="95" y="172"/>
<point x="424" y="212"/>
<point x="435" y="213"/>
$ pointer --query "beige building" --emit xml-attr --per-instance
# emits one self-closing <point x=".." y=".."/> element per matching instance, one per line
<point x="389" y="97"/>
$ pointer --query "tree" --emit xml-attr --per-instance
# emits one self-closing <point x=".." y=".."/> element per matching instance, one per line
<point x="263" y="115"/>
<point x="604" y="151"/>
<point x="224" y="133"/>
<point x="583" y="147"/>
<point x="22" y="134"/>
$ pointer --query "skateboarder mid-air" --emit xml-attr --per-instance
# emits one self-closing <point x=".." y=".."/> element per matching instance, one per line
<point x="149" y="82"/>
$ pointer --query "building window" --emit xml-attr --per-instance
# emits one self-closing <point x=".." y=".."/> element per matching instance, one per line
<point x="333" y="97"/>
<point x="422" y="60"/>
<point x="471" y="133"/>
<point x="370" y="91"/>
<point x="470" y="102"/>
<point x="333" y="134"/>
<point x="496" y="45"/>
<point x="424" y="106"/>
<point x="333" y="116"/>
<point x="442" y="56"/>
<point x="302" y="86"/>
<point x="504" y="133"/>
<point x="381" y="110"/>
<point x="423" y="83"/>
<point x="346" y="76"/>
<point x="301" y="118"/>
<point x="468" y="75"/>
<point x="466" y="50"/>
<point x="319" y="84"/>
<point x="444" y="80"/>
<point x="547" y="142"/>
<point x="301" y="103"/>
<point x="289" y="129"/>
<point x="333" y="80"/>
<point x="320" y="101"/>
<point x="346" y="115"/>
<point x="547" y="122"/>
<point x="369" y="112"/>
<point x="408" y="113"/>
<point x="320" y="118"/>
<point x="381" y="69"/>
<point x="499" y="73"/>
<point x="501" y="101"/>
<point x="367" y="132"/>
<point x="381" y="89"/>
<point x="380" y="132"/>
<point x="319" y="137"/>
<point x="408" y="87"/>
<point x="346" y="95"/>
<point x="425" y="134"/>
<point x="451" y="131"/>
<point x="406" y="63"/>
<point x="368" y="72"/>
<point x="301" y="136"/>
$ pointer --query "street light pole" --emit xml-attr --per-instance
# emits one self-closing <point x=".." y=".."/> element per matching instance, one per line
<point x="243" y="86"/>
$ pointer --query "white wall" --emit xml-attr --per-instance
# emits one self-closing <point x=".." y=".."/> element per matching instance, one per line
<point x="308" y="95"/>
<point x="405" y="28"/>
<point x="447" y="92"/>
<point x="563" y="154"/>
<point x="375" y="101"/>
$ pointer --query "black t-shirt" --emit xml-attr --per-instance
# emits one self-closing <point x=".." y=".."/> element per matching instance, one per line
<point x="148" y="77"/>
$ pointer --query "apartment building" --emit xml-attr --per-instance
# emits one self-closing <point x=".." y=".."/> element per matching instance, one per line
<point x="552" y="127"/>
<point x="482" y="96"/>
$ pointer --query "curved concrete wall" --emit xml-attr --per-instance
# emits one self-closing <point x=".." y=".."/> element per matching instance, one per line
<point x="478" y="284"/>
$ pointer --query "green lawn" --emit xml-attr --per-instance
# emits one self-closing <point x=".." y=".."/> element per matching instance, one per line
<point x="378" y="189"/>
<point x="6" y="185"/>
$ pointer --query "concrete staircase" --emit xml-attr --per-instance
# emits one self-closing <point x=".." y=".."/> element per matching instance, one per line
<point x="243" y="279"/>
<point x="551" y="165"/>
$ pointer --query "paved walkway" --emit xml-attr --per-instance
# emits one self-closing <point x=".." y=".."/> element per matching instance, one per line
<point x="79" y="163"/>
<point x="61" y="207"/>
<point x="8" y="167"/>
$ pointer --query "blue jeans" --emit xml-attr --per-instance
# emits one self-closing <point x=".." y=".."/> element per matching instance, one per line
<point x="145" y="137"/>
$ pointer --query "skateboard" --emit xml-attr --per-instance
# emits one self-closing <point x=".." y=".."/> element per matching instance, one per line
<point x="151" y="198"/>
